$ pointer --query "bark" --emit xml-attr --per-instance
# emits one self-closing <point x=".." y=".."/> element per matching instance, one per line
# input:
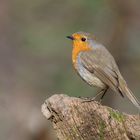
<point x="74" y="119"/>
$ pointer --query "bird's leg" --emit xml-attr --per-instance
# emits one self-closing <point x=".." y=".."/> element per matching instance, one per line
<point x="103" y="91"/>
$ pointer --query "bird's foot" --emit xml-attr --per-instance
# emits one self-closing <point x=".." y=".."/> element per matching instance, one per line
<point x="84" y="98"/>
<point x="100" y="101"/>
<point x="88" y="99"/>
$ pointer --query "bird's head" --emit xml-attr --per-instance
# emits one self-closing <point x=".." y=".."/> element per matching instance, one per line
<point x="81" y="39"/>
<point x="81" y="42"/>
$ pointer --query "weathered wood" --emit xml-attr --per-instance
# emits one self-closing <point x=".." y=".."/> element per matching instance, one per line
<point x="74" y="119"/>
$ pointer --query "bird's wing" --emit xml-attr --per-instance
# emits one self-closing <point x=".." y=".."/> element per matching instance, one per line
<point x="101" y="63"/>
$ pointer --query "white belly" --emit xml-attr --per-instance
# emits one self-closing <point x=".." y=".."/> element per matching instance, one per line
<point x="87" y="76"/>
<point x="90" y="78"/>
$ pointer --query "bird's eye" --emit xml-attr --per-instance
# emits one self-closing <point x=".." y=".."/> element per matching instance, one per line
<point x="83" y="39"/>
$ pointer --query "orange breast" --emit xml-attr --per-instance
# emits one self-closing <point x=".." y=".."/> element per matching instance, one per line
<point x="77" y="48"/>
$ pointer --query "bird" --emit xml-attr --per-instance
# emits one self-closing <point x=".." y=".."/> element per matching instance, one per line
<point x="97" y="67"/>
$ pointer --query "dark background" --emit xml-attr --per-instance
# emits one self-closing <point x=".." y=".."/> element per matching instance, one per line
<point x="35" y="57"/>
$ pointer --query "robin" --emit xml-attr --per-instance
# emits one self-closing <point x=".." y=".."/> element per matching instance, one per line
<point x="97" y="67"/>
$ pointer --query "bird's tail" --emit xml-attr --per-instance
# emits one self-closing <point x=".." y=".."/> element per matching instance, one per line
<point x="131" y="97"/>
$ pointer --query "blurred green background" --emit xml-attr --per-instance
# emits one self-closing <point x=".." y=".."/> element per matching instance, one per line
<point x="35" y="57"/>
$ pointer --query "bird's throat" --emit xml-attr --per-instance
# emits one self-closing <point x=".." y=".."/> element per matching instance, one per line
<point x="77" y="48"/>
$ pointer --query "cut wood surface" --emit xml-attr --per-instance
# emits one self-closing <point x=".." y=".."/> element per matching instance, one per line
<point x="74" y="119"/>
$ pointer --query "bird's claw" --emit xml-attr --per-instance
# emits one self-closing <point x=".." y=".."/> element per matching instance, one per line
<point x="87" y="99"/>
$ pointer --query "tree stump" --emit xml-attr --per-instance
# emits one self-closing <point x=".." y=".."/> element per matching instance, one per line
<point x="74" y="119"/>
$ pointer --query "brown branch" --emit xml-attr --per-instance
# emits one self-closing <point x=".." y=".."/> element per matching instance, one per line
<point x="74" y="119"/>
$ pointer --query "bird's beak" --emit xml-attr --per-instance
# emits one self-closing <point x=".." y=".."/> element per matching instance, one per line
<point x="70" y="37"/>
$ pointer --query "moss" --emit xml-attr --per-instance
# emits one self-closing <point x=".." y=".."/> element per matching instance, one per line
<point x="101" y="130"/>
<point x="116" y="115"/>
